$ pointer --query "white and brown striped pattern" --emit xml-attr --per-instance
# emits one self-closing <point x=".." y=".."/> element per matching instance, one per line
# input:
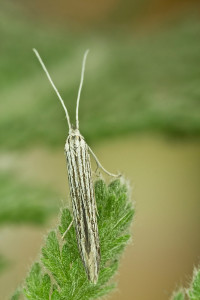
<point x="83" y="202"/>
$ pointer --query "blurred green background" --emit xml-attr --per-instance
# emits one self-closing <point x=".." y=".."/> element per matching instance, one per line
<point x="139" y="111"/>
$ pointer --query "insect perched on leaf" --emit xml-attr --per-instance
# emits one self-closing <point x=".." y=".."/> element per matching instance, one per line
<point x="81" y="187"/>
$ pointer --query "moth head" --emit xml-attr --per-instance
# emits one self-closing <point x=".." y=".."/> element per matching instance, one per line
<point x="74" y="132"/>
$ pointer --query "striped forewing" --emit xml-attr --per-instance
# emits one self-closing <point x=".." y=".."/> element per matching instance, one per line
<point x="83" y="204"/>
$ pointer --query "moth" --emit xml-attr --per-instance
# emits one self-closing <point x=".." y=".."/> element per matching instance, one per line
<point x="81" y="187"/>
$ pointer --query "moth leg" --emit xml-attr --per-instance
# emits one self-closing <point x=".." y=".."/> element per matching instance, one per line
<point x="68" y="228"/>
<point x="100" y="165"/>
<point x="97" y="168"/>
<point x="97" y="173"/>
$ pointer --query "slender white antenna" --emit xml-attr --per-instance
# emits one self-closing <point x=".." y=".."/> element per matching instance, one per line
<point x="53" y="85"/>
<point x="80" y="87"/>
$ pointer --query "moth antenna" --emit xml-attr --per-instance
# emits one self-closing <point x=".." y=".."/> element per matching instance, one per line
<point x="53" y="85"/>
<point x="80" y="86"/>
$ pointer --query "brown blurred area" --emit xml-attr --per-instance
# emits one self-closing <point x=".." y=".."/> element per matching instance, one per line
<point x="89" y="14"/>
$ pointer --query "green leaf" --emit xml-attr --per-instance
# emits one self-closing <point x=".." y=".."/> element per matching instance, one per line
<point x="66" y="278"/>
<point x="16" y="295"/>
<point x="194" y="290"/>
<point x="55" y="295"/>
<point x="37" y="285"/>
<point x="179" y="296"/>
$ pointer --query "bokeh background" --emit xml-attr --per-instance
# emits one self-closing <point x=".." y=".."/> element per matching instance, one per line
<point x="139" y="111"/>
